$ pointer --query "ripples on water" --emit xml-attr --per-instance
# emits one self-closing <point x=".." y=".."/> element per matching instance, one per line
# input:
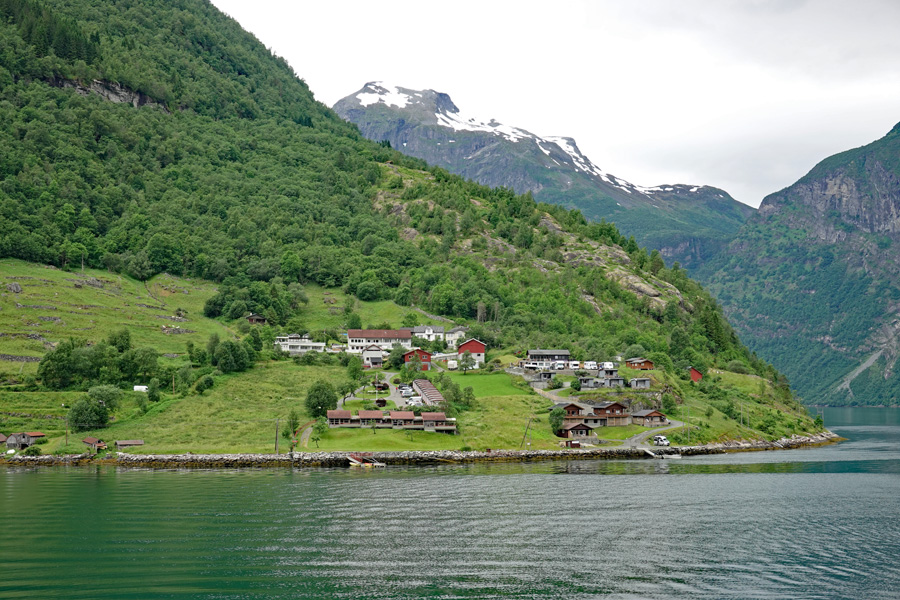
<point x="817" y="523"/>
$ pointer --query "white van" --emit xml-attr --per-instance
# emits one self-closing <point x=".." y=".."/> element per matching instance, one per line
<point x="559" y="365"/>
<point x="660" y="440"/>
<point x="452" y="365"/>
<point x="590" y="365"/>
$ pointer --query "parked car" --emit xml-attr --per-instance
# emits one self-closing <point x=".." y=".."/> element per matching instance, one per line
<point x="559" y="365"/>
<point x="407" y="393"/>
<point x="660" y="440"/>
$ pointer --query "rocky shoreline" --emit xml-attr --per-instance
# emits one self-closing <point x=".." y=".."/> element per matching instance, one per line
<point x="434" y="457"/>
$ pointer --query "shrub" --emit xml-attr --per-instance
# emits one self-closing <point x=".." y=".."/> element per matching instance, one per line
<point x="204" y="383"/>
<point x="32" y="451"/>
<point x="737" y="366"/>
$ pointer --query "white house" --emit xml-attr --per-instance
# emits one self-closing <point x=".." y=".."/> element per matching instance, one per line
<point x="295" y="344"/>
<point x="427" y="332"/>
<point x="360" y="339"/>
<point x="453" y="336"/>
<point x="373" y="357"/>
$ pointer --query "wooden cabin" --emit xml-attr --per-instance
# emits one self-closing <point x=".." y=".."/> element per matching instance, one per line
<point x="649" y="418"/>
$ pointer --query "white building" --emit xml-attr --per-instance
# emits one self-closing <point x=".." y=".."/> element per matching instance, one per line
<point x="295" y="344"/>
<point x="453" y="336"/>
<point x="427" y="332"/>
<point x="360" y="339"/>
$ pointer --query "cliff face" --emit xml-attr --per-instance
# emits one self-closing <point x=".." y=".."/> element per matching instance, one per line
<point x="686" y="223"/>
<point x="813" y="281"/>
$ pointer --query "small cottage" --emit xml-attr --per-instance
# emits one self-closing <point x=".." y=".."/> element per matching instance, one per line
<point x="639" y="383"/>
<point x="615" y="382"/>
<point x="649" y="418"/>
<point x="590" y="383"/>
<point x="18" y="441"/>
<point x="94" y="443"/>
<point x="576" y="430"/>
<point x="255" y="319"/>
<point x="639" y="363"/>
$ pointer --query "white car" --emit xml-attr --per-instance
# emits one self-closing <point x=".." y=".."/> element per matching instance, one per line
<point x="560" y="365"/>
<point x="660" y="440"/>
<point x="574" y="364"/>
<point x="407" y="392"/>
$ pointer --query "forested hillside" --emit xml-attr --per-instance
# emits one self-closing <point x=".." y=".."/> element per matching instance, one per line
<point x="813" y="281"/>
<point x="178" y="144"/>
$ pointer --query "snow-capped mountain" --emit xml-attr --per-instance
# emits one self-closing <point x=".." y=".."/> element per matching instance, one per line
<point x="686" y="222"/>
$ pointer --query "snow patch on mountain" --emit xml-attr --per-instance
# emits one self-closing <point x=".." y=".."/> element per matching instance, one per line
<point x="376" y="91"/>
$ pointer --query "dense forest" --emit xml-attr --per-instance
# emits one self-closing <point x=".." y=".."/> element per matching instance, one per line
<point x="239" y="176"/>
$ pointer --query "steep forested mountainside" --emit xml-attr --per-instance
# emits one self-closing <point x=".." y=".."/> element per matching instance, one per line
<point x="813" y="282"/>
<point x="685" y="223"/>
<point x="180" y="145"/>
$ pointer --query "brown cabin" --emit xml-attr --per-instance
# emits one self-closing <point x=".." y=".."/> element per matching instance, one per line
<point x="642" y="364"/>
<point x="255" y="319"/>
<point x="649" y="418"/>
<point x="576" y="430"/>
<point x="402" y="418"/>
<point x="94" y="444"/>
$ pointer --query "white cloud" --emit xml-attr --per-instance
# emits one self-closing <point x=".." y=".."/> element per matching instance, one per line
<point x="740" y="94"/>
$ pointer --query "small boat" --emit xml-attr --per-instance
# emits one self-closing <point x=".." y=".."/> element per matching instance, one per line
<point x="364" y="460"/>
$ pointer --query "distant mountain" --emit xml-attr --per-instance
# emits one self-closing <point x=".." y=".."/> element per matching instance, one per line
<point x="686" y="223"/>
<point x="813" y="281"/>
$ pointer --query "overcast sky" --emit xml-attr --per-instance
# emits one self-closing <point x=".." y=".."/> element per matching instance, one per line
<point x="745" y="95"/>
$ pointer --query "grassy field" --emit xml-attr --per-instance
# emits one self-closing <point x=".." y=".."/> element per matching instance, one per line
<point x="486" y="384"/>
<point x="238" y="415"/>
<point x="326" y="311"/>
<point x="54" y="305"/>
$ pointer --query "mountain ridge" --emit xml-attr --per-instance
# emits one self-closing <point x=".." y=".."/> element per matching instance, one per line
<point x="687" y="223"/>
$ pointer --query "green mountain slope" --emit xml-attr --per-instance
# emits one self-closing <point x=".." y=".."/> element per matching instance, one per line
<point x="181" y="146"/>
<point x="688" y="224"/>
<point x="813" y="282"/>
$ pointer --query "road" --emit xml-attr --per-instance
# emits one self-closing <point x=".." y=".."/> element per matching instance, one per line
<point x="641" y="438"/>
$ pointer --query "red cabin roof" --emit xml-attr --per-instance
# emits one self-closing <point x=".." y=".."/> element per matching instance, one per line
<point x="378" y="334"/>
<point x="371" y="414"/>
<point x="404" y="415"/>
<point x="339" y="414"/>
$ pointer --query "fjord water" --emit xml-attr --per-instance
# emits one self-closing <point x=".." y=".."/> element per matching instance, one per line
<point x="813" y="523"/>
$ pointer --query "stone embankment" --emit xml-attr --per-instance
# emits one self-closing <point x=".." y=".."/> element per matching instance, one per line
<point x="341" y="459"/>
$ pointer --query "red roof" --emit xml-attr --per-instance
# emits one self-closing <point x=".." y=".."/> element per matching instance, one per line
<point x="435" y="416"/>
<point x="91" y="440"/>
<point x="422" y="353"/>
<point x="371" y="414"/>
<point x="379" y="334"/>
<point x="3" y="438"/>
<point x="34" y="433"/>
<point x="474" y="346"/>
<point x="339" y="414"/>
<point x="403" y="415"/>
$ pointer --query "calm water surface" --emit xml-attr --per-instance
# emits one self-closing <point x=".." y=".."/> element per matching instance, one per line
<point x="815" y="523"/>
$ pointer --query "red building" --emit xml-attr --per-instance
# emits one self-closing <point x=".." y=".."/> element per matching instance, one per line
<point x="474" y="347"/>
<point x="695" y="374"/>
<point x="424" y="358"/>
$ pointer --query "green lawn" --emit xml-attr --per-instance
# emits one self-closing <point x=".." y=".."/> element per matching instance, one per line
<point x="326" y="310"/>
<point x="486" y="384"/>
<point x="355" y="405"/>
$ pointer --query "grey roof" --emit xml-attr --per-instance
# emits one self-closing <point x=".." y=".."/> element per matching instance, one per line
<point x="644" y="413"/>
<point x="458" y="329"/>
<point x="547" y="352"/>
<point x="424" y="328"/>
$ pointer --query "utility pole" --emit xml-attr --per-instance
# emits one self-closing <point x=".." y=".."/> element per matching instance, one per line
<point x="173" y="382"/>
<point x="276" y="436"/>
<point x="67" y="430"/>
<point x="522" y="443"/>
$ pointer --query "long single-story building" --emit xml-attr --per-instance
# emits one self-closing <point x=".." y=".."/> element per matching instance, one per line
<point x="545" y="358"/>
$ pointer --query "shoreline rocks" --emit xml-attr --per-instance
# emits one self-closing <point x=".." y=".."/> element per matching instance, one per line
<point x="407" y="458"/>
